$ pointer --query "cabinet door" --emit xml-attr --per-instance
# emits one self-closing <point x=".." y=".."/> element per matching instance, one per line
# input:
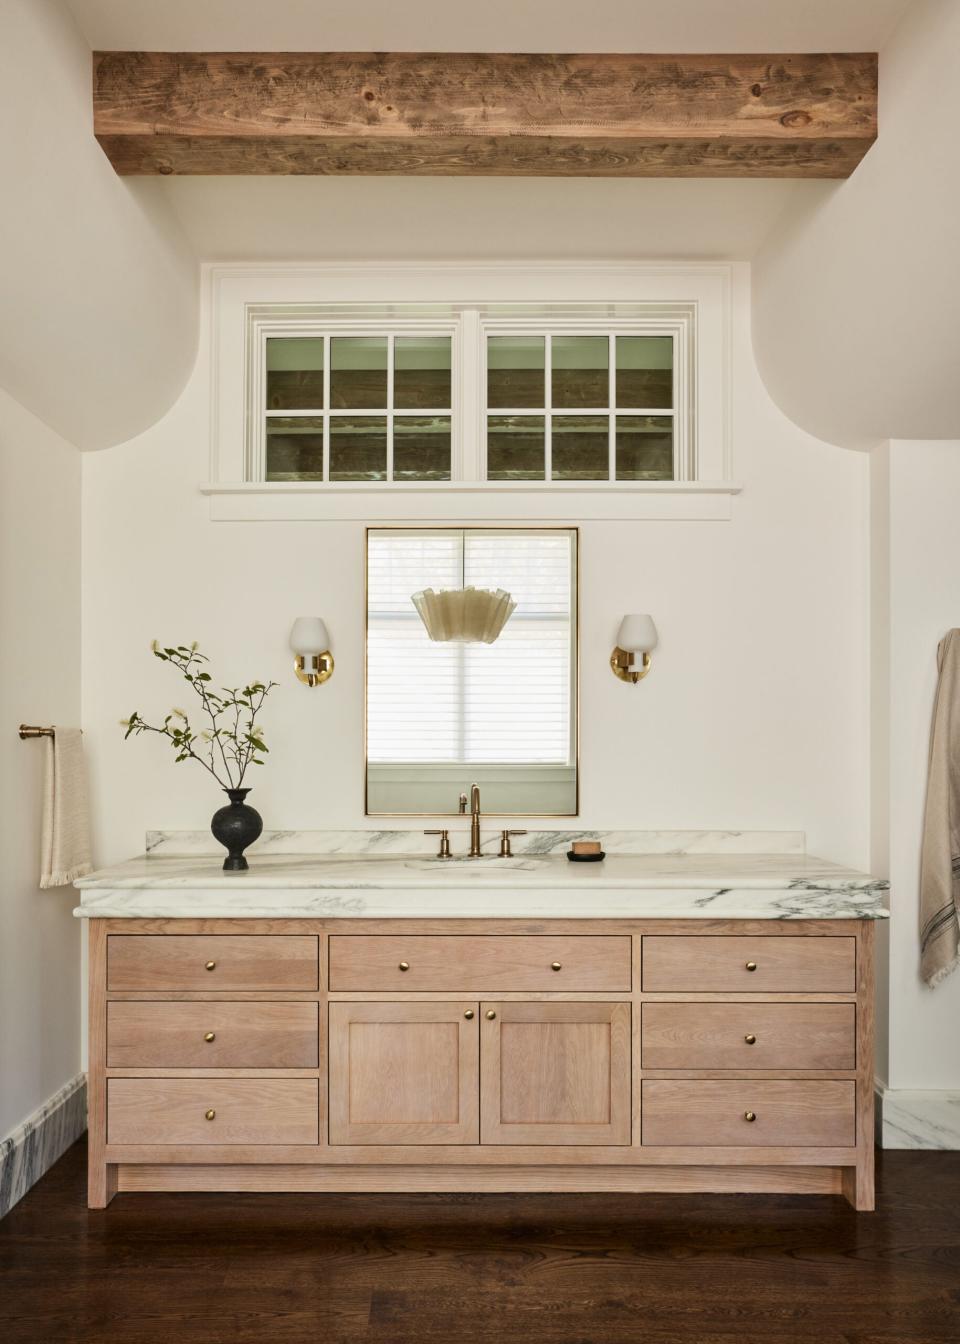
<point x="404" y="1073"/>
<point x="555" y="1073"/>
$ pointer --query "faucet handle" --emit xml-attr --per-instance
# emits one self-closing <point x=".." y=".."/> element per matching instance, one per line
<point x="444" y="850"/>
<point x="505" y="851"/>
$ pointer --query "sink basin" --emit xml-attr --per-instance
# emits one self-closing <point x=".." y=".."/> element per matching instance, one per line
<point x="476" y="866"/>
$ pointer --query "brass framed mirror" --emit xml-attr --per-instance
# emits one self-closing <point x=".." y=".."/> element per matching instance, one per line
<point x="446" y="705"/>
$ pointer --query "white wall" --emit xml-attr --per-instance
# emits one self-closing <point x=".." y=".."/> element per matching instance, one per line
<point x="917" y="488"/>
<point x="755" y="713"/>
<point x="100" y="289"/>
<point x="855" y="294"/>
<point x="39" y="683"/>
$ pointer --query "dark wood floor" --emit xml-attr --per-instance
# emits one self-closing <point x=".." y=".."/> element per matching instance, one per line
<point x="486" y="1269"/>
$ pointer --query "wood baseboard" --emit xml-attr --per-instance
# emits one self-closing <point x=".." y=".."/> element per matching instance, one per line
<point x="413" y="1179"/>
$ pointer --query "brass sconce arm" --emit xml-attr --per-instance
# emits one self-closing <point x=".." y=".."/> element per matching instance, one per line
<point x="624" y="667"/>
<point x="314" y="668"/>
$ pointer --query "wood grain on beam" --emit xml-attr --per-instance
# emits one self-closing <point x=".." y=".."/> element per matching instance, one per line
<point x="496" y="115"/>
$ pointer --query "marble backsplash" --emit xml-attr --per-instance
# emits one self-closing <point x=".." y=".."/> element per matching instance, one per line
<point x="187" y="844"/>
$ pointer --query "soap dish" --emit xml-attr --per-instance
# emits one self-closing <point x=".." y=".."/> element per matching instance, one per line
<point x="585" y="858"/>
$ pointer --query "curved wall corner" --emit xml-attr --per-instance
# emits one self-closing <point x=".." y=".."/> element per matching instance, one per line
<point x="100" y="291"/>
<point x="855" y="298"/>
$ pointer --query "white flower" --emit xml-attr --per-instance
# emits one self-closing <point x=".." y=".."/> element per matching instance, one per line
<point x="154" y="645"/>
<point x="180" y="713"/>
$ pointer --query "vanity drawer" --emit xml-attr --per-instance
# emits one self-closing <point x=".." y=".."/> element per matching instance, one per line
<point x="748" y="1036"/>
<point x="479" y="964"/>
<point x="212" y="1035"/>
<point x="713" y="1114"/>
<point x="212" y="961"/>
<point x="241" y="1110"/>
<point x="678" y="964"/>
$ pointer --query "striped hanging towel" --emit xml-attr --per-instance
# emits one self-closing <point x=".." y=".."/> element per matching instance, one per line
<point x="940" y="859"/>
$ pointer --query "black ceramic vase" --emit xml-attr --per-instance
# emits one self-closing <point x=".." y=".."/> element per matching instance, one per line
<point x="236" y="827"/>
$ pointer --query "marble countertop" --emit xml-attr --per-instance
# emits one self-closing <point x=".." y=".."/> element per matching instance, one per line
<point x="537" y="886"/>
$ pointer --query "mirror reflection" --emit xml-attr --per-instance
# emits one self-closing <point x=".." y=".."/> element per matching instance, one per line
<point x="471" y="670"/>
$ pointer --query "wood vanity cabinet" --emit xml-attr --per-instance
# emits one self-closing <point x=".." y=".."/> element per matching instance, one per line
<point x="414" y="1054"/>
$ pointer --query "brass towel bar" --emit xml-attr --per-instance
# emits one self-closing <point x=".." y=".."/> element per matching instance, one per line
<point x="27" y="731"/>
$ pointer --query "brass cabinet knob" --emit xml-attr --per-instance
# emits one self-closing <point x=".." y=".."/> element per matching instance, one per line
<point x="750" y="1115"/>
<point x="404" y="965"/>
<point x="555" y="966"/>
<point x="210" y="1036"/>
<point x="751" y="965"/>
<point x="750" y="1038"/>
<point x="490" y="1014"/>
<point x="209" y="1115"/>
<point x="210" y="965"/>
<point x="468" y="1014"/>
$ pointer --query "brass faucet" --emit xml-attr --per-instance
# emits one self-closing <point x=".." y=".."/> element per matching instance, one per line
<point x="474" y="821"/>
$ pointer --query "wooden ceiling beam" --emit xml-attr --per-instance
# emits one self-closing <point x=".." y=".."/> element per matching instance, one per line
<point x="458" y="114"/>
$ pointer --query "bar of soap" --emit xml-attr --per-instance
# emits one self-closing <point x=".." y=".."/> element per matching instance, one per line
<point x="586" y="846"/>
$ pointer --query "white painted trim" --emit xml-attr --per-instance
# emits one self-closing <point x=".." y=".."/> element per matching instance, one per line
<point x="463" y="502"/>
<point x="31" y="1149"/>
<point x="915" y="1119"/>
<point x="235" y="292"/>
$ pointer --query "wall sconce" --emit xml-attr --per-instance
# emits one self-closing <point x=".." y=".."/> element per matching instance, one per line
<point x="637" y="634"/>
<point x="311" y="643"/>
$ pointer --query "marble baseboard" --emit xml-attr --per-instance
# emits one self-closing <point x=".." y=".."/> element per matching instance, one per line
<point x="190" y="844"/>
<point x="918" y="1119"/>
<point x="44" y="1136"/>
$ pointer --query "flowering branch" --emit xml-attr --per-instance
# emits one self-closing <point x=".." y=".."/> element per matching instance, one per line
<point x="234" y="740"/>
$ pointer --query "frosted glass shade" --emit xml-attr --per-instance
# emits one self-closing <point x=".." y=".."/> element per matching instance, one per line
<point x="464" y="615"/>
<point x="309" y="636"/>
<point x="638" y="634"/>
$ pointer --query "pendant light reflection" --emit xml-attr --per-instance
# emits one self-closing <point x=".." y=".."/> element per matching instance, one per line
<point x="464" y="615"/>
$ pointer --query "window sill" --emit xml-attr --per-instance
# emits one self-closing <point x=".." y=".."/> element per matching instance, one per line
<point x="505" y="501"/>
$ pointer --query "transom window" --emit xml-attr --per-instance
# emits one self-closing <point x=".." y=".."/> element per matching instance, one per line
<point x="579" y="408"/>
<point x="506" y="395"/>
<point x="358" y="408"/>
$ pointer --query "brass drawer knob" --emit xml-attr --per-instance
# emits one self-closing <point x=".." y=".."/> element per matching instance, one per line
<point x="210" y="1036"/>
<point x="468" y="1014"/>
<point x="490" y="1014"/>
<point x="404" y="965"/>
<point x="555" y="966"/>
<point x="750" y="1115"/>
<point x="750" y="1038"/>
<point x="211" y="965"/>
<point x="209" y="1115"/>
<point x="751" y="965"/>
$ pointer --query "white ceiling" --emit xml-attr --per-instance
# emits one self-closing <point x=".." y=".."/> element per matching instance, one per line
<point x="281" y="218"/>
<point x="494" y="25"/>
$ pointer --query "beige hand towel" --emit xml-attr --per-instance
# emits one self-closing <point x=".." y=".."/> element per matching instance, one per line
<point x="65" y="829"/>
<point x="940" y="860"/>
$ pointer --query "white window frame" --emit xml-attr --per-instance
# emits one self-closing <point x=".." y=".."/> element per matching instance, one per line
<point x="689" y="301"/>
<point x="263" y="329"/>
<point x="678" y="327"/>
